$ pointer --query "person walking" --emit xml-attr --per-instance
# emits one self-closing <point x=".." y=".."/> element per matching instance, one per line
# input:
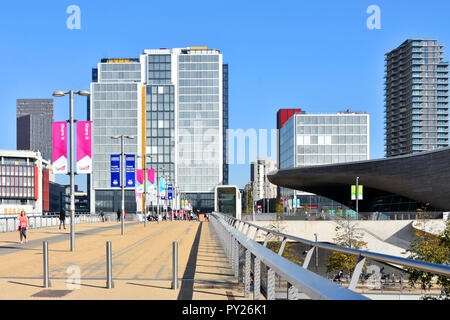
<point x="102" y="214"/>
<point x="23" y="226"/>
<point x="118" y="215"/>
<point x="62" y="218"/>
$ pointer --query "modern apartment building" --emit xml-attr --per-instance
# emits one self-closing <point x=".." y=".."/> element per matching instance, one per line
<point x="34" y="119"/>
<point x="416" y="98"/>
<point x="175" y="102"/>
<point x="24" y="182"/>
<point x="262" y="188"/>
<point x="318" y="139"/>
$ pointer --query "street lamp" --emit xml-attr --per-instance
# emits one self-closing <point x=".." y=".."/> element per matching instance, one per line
<point x="72" y="159"/>
<point x="122" y="158"/>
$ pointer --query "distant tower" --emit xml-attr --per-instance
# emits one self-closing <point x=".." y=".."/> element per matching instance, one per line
<point x="416" y="107"/>
<point x="34" y="119"/>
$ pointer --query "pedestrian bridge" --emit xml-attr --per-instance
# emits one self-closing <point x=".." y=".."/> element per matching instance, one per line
<point x="218" y="259"/>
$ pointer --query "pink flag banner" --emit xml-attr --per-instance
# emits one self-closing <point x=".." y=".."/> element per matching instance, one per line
<point x="59" y="147"/>
<point x="84" y="154"/>
<point x="140" y="181"/>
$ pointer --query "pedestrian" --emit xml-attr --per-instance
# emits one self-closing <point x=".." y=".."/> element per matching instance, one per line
<point x="102" y="214"/>
<point x="118" y="215"/>
<point x="23" y="226"/>
<point x="62" y="218"/>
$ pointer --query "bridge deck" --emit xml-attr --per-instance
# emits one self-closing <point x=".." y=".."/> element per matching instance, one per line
<point x="142" y="263"/>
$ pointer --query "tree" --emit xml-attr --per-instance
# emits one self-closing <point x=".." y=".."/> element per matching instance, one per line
<point x="431" y="248"/>
<point x="347" y="235"/>
<point x="279" y="206"/>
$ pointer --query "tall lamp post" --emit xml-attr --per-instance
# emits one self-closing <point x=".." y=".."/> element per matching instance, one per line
<point x="72" y="159"/>
<point x="123" y="182"/>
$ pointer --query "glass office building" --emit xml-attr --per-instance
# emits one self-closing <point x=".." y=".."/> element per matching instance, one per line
<point x="177" y="108"/>
<point x="416" y="98"/>
<point x="319" y="139"/>
<point x="114" y="109"/>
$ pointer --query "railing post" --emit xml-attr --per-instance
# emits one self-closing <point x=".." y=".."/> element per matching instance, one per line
<point x="46" y="268"/>
<point x="270" y="284"/>
<point x="257" y="279"/>
<point x="109" y="281"/>
<point x="248" y="262"/>
<point x="292" y="292"/>
<point x="175" y="265"/>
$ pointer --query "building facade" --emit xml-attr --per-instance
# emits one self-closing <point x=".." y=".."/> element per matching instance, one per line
<point x="319" y="139"/>
<point x="262" y="188"/>
<point x="24" y="182"/>
<point x="176" y="105"/>
<point x="416" y="98"/>
<point x="34" y="119"/>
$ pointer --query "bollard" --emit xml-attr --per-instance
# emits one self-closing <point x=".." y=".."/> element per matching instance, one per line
<point x="46" y="269"/>
<point x="109" y="281"/>
<point x="175" y="265"/>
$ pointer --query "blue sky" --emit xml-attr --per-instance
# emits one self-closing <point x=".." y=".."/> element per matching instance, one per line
<point x="316" y="55"/>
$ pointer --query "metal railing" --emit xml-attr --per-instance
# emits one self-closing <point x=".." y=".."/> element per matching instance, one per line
<point x="378" y="216"/>
<point x="234" y="234"/>
<point x="234" y="241"/>
<point x="10" y="224"/>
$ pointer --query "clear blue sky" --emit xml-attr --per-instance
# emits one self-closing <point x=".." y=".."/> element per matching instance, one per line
<point x="316" y="55"/>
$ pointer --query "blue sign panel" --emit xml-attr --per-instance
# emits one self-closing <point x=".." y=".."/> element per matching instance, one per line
<point x="130" y="172"/>
<point x="162" y="188"/>
<point x="115" y="170"/>
<point x="169" y="192"/>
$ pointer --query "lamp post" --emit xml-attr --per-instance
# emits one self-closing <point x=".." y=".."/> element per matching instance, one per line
<point x="122" y="160"/>
<point x="72" y="159"/>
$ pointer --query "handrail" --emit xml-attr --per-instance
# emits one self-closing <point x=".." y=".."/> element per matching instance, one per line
<point x="405" y="262"/>
<point x="313" y="285"/>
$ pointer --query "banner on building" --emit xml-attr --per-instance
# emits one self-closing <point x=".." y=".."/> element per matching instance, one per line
<point x="59" y="147"/>
<point x="169" y="192"/>
<point x="115" y="170"/>
<point x="162" y="188"/>
<point x="140" y="181"/>
<point x="84" y="152"/>
<point x="360" y="192"/>
<point x="130" y="170"/>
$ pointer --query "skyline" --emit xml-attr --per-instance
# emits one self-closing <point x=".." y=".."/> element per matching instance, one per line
<point x="262" y="78"/>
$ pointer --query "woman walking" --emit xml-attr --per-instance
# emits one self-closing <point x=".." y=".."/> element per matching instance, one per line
<point x="23" y="226"/>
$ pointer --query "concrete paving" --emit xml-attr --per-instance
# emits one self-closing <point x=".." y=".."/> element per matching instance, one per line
<point x="142" y="263"/>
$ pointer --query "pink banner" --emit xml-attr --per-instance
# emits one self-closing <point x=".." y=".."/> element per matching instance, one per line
<point x="59" y="147"/>
<point x="140" y="181"/>
<point x="84" y="155"/>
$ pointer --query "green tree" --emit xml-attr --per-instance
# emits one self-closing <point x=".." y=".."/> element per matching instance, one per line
<point x="431" y="248"/>
<point x="347" y="235"/>
<point x="279" y="206"/>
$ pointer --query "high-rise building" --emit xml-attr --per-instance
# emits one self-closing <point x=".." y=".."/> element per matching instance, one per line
<point x="175" y="101"/>
<point x="262" y="188"/>
<point x="416" y="102"/>
<point x="34" y="119"/>
<point x="317" y="139"/>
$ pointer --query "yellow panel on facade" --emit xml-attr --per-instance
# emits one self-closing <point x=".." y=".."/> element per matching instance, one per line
<point x="198" y="48"/>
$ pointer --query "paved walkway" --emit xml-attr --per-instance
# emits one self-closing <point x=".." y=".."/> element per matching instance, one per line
<point x="142" y="263"/>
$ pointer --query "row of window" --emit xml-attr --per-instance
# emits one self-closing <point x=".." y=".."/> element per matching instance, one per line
<point x="115" y="96"/>
<point x="331" y="119"/>
<point x="333" y="149"/>
<point x="198" y="58"/>
<point x="114" y="105"/>
<point x="332" y="129"/>
<point x="120" y="75"/>
<point x="328" y="159"/>
<point x="198" y="107"/>
<point x="199" y="74"/>
<point x="199" y="83"/>
<point x="198" y="66"/>
<point x="120" y="67"/>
